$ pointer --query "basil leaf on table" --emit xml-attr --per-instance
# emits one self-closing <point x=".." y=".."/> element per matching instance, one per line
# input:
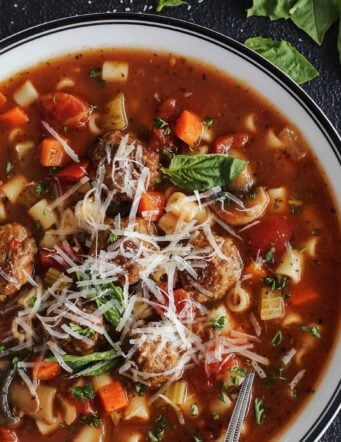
<point x="285" y="56"/>
<point x="201" y="172"/>
<point x="160" y="4"/>
<point x="312" y="16"/>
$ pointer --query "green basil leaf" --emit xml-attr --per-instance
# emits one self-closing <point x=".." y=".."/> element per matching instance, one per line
<point x="314" y="17"/>
<point x="285" y="56"/>
<point x="274" y="9"/>
<point x="201" y="172"/>
<point x="98" y="368"/>
<point x="78" y="362"/>
<point x="160" y="4"/>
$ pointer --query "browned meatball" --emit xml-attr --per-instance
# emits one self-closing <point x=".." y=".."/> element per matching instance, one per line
<point x="17" y="253"/>
<point x="155" y="357"/>
<point x="133" y="269"/>
<point x="218" y="275"/>
<point x="148" y="159"/>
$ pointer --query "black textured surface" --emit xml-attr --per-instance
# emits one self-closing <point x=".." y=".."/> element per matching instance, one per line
<point x="225" y="16"/>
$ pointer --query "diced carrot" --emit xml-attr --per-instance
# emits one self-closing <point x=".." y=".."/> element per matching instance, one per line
<point x="151" y="202"/>
<point x="51" y="153"/>
<point x="45" y="371"/>
<point x="188" y="127"/>
<point x="14" y="117"/>
<point x="2" y="99"/>
<point x="255" y="270"/>
<point x="7" y="435"/>
<point x="301" y="296"/>
<point x="113" y="396"/>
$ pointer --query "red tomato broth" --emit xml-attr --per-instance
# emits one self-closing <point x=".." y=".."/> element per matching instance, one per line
<point x="228" y="101"/>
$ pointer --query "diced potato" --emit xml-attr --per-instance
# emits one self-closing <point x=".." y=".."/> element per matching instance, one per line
<point x="207" y="134"/>
<point x="89" y="434"/>
<point x="67" y="409"/>
<point x="26" y="94"/>
<point x="65" y="83"/>
<point x="278" y="199"/>
<point x="114" y="116"/>
<point x="192" y="407"/>
<point x="167" y="223"/>
<point x="101" y="381"/>
<point x="142" y="310"/>
<point x="3" y="213"/>
<point x="250" y="123"/>
<point x="115" y="71"/>
<point x="29" y="195"/>
<point x="271" y="305"/>
<point x="116" y="416"/>
<point x="41" y="213"/>
<point x="218" y="312"/>
<point x="220" y="404"/>
<point x="291" y="265"/>
<point x="68" y="221"/>
<point x="14" y="187"/>
<point x="272" y="140"/>
<point x="49" y="240"/>
<point x="24" y="148"/>
<point x="310" y="247"/>
<point x="46" y="429"/>
<point x="137" y="408"/>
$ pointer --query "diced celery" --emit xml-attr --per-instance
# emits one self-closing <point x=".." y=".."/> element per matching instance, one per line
<point x="271" y="305"/>
<point x="51" y="276"/>
<point x="177" y="392"/>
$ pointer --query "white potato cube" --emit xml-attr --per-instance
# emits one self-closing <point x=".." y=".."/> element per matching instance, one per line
<point x="101" y="381"/>
<point x="89" y="434"/>
<point x="14" y="186"/>
<point x="278" y="199"/>
<point x="41" y="213"/>
<point x="137" y="408"/>
<point x="26" y="94"/>
<point x="46" y="429"/>
<point x="24" y="148"/>
<point x="115" y="71"/>
<point x="291" y="265"/>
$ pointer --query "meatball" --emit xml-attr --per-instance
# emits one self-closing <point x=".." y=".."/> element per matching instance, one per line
<point x="17" y="254"/>
<point x="140" y="155"/>
<point x="130" y="246"/>
<point x="156" y="357"/>
<point x="219" y="274"/>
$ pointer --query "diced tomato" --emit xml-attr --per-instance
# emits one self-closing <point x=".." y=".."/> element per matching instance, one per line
<point x="74" y="172"/>
<point x="49" y="258"/>
<point x="7" y="435"/>
<point x="181" y="300"/>
<point x="232" y="141"/>
<point x="65" y="109"/>
<point x="255" y="270"/>
<point x="153" y="202"/>
<point x="83" y="407"/>
<point x="275" y="230"/>
<point x="161" y="139"/>
<point x="218" y="369"/>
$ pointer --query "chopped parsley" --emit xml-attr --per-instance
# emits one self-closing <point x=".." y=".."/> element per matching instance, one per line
<point x="198" y="439"/>
<point x="9" y="167"/>
<point x="82" y="331"/>
<point x="295" y="394"/>
<point x="313" y="330"/>
<point x="294" y="210"/>
<point x="162" y="124"/>
<point x="234" y="380"/>
<point x="160" y="4"/>
<point x="223" y="397"/>
<point x="269" y="257"/>
<point x="83" y="394"/>
<point x="208" y="122"/>
<point x="259" y="411"/>
<point x="140" y="388"/>
<point x="2" y="348"/>
<point x="15" y="361"/>
<point x="156" y="435"/>
<point x="53" y="170"/>
<point x="194" y="410"/>
<point x="91" y="419"/>
<point x="215" y="416"/>
<point x="41" y="188"/>
<point x="31" y="301"/>
<point x="96" y="74"/>
<point x="277" y="282"/>
<point x="168" y="153"/>
<point x="65" y="129"/>
<point x="219" y="322"/>
<point x="238" y="370"/>
<point x="277" y="339"/>
<point x="316" y="232"/>
<point x="112" y="237"/>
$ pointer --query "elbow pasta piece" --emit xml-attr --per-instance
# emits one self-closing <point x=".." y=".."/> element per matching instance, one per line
<point x="292" y="318"/>
<point x="272" y="141"/>
<point x="65" y="83"/>
<point x="278" y="199"/>
<point x="291" y="265"/>
<point x="45" y="429"/>
<point x="250" y="123"/>
<point x="137" y="408"/>
<point x="218" y="312"/>
<point x="238" y="299"/>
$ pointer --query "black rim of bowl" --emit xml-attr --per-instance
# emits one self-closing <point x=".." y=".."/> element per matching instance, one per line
<point x="221" y="40"/>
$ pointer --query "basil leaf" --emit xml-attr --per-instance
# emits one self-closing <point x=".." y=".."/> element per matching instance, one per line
<point x="160" y="4"/>
<point x="274" y="9"/>
<point x="98" y="368"/>
<point x="284" y="56"/>
<point x="79" y="362"/>
<point x="314" y="17"/>
<point x="200" y="172"/>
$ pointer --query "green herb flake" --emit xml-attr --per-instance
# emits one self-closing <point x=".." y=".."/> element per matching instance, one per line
<point x="277" y="339"/>
<point x="15" y="361"/>
<point x="295" y="394"/>
<point x="202" y="172"/>
<point x="157" y="434"/>
<point x="159" y="123"/>
<point x="316" y="232"/>
<point x="269" y="257"/>
<point x="9" y="167"/>
<point x="96" y="74"/>
<point x="259" y="411"/>
<point x="313" y="330"/>
<point x="223" y="397"/>
<point x="91" y="419"/>
<point x="198" y="438"/>
<point x="41" y="188"/>
<point x="238" y="370"/>
<point x="295" y="210"/>
<point x="285" y="57"/>
<point x="53" y="170"/>
<point x="219" y="322"/>
<point x="194" y="410"/>
<point x="82" y="331"/>
<point x="65" y="129"/>
<point x="215" y="416"/>
<point x="112" y="237"/>
<point x="277" y="282"/>
<point x="31" y="301"/>
<point x="208" y="122"/>
<point x="234" y="381"/>
<point x="160" y="4"/>
<point x="83" y="394"/>
<point x="140" y="388"/>
<point x="2" y="348"/>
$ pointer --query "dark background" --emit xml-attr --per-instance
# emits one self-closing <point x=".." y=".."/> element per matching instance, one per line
<point x="225" y="16"/>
